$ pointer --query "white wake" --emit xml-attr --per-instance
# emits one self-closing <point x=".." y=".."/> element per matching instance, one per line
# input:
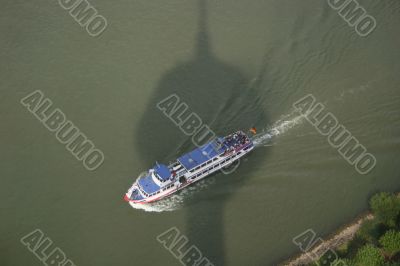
<point x="280" y="127"/>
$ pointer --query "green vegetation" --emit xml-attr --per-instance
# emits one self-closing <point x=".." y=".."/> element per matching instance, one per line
<point x="369" y="255"/>
<point x="390" y="242"/>
<point x="377" y="242"/>
<point x="386" y="208"/>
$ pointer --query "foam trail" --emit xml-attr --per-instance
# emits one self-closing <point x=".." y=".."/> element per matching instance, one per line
<point x="279" y="127"/>
<point x="168" y="204"/>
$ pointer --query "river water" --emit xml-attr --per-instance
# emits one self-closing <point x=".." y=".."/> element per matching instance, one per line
<point x="236" y="64"/>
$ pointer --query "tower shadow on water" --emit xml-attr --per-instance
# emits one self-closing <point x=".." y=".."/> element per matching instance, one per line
<point x="226" y="101"/>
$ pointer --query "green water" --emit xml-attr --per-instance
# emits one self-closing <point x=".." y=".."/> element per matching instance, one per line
<point x="236" y="64"/>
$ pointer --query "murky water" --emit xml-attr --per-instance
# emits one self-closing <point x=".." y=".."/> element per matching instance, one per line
<point x="236" y="64"/>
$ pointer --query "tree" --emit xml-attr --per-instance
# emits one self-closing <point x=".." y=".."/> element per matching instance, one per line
<point x="390" y="242"/>
<point x="386" y="207"/>
<point x="370" y="231"/>
<point x="392" y="264"/>
<point x="369" y="255"/>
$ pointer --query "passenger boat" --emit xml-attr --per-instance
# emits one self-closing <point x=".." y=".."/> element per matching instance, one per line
<point x="162" y="180"/>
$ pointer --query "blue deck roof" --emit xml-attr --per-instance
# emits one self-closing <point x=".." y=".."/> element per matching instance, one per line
<point x="200" y="155"/>
<point x="162" y="171"/>
<point x="148" y="185"/>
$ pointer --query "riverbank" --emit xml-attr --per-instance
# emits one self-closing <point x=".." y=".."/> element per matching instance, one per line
<point x="342" y="236"/>
<point x="383" y="206"/>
